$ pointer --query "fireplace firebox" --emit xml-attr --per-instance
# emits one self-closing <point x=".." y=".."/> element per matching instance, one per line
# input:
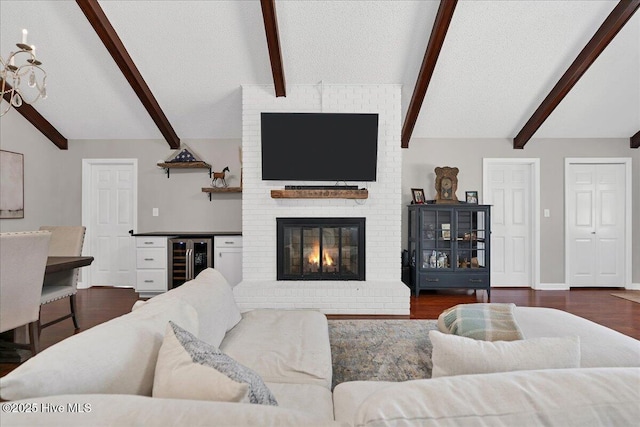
<point x="321" y="248"/>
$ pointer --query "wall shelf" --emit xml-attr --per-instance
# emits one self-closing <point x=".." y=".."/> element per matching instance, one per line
<point x="212" y="190"/>
<point x="185" y="165"/>
<point x="320" y="194"/>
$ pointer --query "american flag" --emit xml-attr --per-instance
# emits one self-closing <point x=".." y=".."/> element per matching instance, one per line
<point x="183" y="156"/>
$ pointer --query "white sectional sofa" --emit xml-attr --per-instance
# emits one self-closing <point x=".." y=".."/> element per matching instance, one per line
<point x="110" y="367"/>
<point x="105" y="375"/>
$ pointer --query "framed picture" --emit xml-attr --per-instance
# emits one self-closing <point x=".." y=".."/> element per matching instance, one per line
<point x="472" y="197"/>
<point x="446" y="231"/>
<point x="11" y="185"/>
<point x="418" y="195"/>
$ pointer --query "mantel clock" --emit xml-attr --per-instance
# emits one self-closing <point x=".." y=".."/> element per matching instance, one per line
<point x="446" y="184"/>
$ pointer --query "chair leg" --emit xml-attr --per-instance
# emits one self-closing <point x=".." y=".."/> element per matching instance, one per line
<point x="38" y="323"/>
<point x="72" y="303"/>
<point x="34" y="336"/>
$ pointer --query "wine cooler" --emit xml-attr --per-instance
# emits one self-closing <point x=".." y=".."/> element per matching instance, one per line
<point x="187" y="258"/>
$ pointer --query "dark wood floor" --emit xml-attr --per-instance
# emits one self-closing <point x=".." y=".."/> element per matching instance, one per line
<point x="99" y="304"/>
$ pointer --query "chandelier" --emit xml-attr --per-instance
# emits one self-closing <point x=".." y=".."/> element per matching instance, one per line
<point x="20" y="66"/>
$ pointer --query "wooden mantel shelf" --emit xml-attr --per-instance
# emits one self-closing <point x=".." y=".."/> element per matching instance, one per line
<point x="320" y="194"/>
<point x="221" y="190"/>
<point x="185" y="165"/>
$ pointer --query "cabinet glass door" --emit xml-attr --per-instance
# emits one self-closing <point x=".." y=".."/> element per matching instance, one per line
<point x="436" y="239"/>
<point x="470" y="239"/>
<point x="201" y="254"/>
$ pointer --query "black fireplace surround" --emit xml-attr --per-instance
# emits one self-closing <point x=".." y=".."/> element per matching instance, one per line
<point x="321" y="248"/>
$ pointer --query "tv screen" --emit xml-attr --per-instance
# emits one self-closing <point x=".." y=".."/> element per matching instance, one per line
<point x="319" y="146"/>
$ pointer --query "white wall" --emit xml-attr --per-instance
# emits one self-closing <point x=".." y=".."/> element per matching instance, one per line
<point x="43" y="195"/>
<point x="423" y="155"/>
<point x="53" y="181"/>
<point x="382" y="209"/>
<point x="181" y="203"/>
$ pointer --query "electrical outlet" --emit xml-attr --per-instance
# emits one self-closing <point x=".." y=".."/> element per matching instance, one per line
<point x="156" y="212"/>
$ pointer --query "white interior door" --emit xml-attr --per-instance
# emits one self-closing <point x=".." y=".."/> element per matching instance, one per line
<point x="109" y="212"/>
<point x="595" y="207"/>
<point x="510" y="187"/>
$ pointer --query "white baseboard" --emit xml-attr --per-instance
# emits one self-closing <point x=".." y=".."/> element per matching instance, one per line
<point x="564" y="287"/>
<point x="508" y="286"/>
<point x="552" y="287"/>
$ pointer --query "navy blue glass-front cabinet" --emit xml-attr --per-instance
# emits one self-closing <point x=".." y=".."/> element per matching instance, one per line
<point x="449" y="246"/>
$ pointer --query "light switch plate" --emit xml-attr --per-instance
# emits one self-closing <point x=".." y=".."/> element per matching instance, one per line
<point x="156" y="212"/>
<point x="547" y="213"/>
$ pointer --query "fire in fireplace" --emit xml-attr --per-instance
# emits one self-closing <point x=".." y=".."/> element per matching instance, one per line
<point x="320" y="248"/>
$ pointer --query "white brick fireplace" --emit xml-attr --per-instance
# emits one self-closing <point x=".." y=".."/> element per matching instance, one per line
<point x="382" y="292"/>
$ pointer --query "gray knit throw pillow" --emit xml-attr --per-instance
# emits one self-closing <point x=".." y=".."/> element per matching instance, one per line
<point x="208" y="355"/>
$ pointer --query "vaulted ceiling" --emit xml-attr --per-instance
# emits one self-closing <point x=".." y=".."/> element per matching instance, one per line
<point x="497" y="63"/>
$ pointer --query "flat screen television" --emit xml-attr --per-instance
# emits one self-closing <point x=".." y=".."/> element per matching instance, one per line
<point x="319" y="146"/>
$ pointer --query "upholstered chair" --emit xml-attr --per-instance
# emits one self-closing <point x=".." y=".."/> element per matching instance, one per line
<point x="65" y="241"/>
<point x="23" y="259"/>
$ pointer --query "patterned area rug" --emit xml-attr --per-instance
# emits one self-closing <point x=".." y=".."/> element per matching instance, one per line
<point x="382" y="350"/>
<point x="630" y="295"/>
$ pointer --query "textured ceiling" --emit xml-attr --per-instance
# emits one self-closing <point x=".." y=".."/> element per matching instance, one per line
<point x="498" y="62"/>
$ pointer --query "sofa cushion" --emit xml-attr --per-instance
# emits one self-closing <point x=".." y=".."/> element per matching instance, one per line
<point x="348" y="396"/>
<point x="118" y="356"/>
<point x="454" y="355"/>
<point x="189" y="368"/>
<point x="122" y="410"/>
<point x="212" y="297"/>
<point x="558" y="397"/>
<point x="283" y="346"/>
<point x="600" y="346"/>
<point x="315" y="400"/>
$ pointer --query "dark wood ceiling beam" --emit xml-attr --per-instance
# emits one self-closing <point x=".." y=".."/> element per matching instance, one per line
<point x="98" y="20"/>
<point x="635" y="140"/>
<point x="436" y="40"/>
<point x="618" y="17"/>
<point x="36" y="119"/>
<point x="273" y="43"/>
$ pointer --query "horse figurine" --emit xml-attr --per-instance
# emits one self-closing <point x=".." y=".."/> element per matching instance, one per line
<point x="220" y="176"/>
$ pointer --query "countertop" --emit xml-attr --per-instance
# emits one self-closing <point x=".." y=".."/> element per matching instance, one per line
<point x="189" y="233"/>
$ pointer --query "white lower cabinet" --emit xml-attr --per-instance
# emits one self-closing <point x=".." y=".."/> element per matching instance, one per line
<point x="151" y="265"/>
<point x="227" y="257"/>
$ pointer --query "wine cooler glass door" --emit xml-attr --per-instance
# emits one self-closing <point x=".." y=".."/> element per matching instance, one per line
<point x="201" y="256"/>
<point x="178" y="263"/>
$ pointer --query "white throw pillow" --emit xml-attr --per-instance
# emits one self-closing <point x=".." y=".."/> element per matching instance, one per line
<point x="212" y="297"/>
<point x="189" y="368"/>
<point x="455" y="355"/>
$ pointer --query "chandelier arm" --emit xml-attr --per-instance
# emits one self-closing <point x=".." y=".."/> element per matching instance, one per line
<point x="6" y="110"/>
<point x="11" y="77"/>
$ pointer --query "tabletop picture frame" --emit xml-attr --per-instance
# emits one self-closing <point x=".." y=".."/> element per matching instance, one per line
<point x="418" y="196"/>
<point x="471" y="197"/>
